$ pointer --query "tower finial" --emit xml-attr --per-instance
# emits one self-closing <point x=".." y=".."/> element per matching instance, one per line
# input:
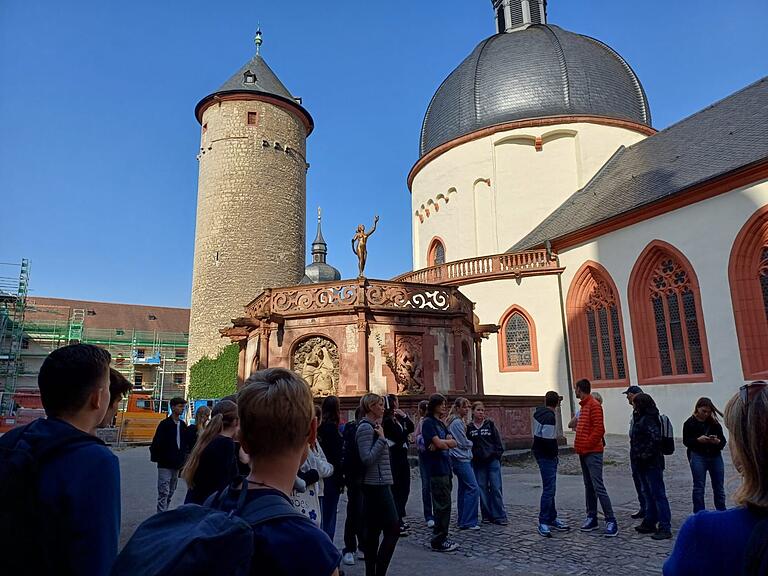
<point x="318" y="215"/>
<point x="258" y="39"/>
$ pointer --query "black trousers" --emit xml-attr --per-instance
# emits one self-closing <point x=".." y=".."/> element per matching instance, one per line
<point x="401" y="476"/>
<point x="353" y="533"/>
<point x="379" y="518"/>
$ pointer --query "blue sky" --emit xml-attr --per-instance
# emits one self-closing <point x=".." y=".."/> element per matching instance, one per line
<point x="98" y="176"/>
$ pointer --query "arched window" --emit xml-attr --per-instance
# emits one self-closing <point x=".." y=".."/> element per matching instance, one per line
<point x="667" y="323"/>
<point x="436" y="253"/>
<point x="595" y="327"/>
<point x="517" y="342"/>
<point x="748" y="276"/>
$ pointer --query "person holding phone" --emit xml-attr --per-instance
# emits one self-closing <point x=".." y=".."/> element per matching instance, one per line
<point x="704" y="438"/>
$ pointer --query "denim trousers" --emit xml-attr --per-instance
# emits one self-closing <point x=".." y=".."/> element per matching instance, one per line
<point x="468" y="496"/>
<point x="548" y="470"/>
<point x="426" y="492"/>
<point x="594" y="487"/>
<point x="657" y="505"/>
<point x="329" y="505"/>
<point x="167" y="479"/>
<point x="638" y="486"/>
<point x="700" y="465"/>
<point x="488" y="476"/>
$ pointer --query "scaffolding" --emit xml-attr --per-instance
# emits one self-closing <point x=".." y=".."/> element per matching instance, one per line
<point x="13" y="300"/>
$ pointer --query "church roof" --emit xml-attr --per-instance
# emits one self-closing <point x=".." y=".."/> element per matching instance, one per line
<point x="726" y="136"/>
<point x="537" y="72"/>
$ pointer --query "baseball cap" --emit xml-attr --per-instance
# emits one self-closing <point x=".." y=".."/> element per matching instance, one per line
<point x="633" y="390"/>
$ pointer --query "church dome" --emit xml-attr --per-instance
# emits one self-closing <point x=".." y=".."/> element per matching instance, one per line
<point x="536" y="72"/>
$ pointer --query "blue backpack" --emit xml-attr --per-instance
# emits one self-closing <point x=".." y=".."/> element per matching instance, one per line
<point x="207" y="539"/>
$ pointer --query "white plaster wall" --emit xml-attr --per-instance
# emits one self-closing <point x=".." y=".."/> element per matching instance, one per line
<point x="704" y="232"/>
<point x="444" y="375"/>
<point x="525" y="185"/>
<point x="538" y="295"/>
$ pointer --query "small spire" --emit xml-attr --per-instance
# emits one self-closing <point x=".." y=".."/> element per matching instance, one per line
<point x="319" y="247"/>
<point x="318" y="215"/>
<point x="258" y="40"/>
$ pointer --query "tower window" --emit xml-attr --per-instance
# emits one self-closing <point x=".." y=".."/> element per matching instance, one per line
<point x="501" y="22"/>
<point x="436" y="253"/>
<point x="249" y="77"/>
<point x="517" y="342"/>
<point x="253" y="118"/>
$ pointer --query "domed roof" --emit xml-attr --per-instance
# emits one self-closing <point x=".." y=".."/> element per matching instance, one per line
<point x="319" y="270"/>
<point x="540" y="71"/>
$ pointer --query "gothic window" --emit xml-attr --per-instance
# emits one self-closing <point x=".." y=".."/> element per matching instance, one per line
<point x="517" y="342"/>
<point x="596" y="335"/>
<point x="666" y="318"/>
<point x="748" y="276"/>
<point x="436" y="254"/>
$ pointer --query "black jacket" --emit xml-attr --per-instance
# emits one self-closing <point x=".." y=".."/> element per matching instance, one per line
<point x="486" y="442"/>
<point x="332" y="444"/>
<point x="645" y="440"/>
<point x="693" y="428"/>
<point x="545" y="433"/>
<point x="396" y="430"/>
<point x="164" y="450"/>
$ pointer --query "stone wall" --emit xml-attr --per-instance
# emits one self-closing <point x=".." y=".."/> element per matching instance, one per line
<point x="251" y="210"/>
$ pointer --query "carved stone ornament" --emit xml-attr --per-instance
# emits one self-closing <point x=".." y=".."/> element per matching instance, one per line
<point x="316" y="359"/>
<point x="409" y="367"/>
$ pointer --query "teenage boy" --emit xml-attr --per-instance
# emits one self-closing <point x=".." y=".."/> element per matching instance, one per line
<point x="70" y="498"/>
<point x="277" y="424"/>
<point x="169" y="449"/>
<point x="589" y="446"/>
<point x="545" y="451"/>
<point x="119" y="388"/>
<point x="631" y="392"/>
<point x="438" y="442"/>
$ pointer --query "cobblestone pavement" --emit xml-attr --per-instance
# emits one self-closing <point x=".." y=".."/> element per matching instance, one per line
<point x="516" y="549"/>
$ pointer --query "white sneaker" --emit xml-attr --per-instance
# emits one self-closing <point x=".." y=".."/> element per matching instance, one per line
<point x="349" y="559"/>
<point x="430" y="523"/>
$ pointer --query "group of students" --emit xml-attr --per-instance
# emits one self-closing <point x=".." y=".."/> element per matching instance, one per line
<point x="713" y="542"/>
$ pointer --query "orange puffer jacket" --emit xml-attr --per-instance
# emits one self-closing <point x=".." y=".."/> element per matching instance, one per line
<point x="591" y="428"/>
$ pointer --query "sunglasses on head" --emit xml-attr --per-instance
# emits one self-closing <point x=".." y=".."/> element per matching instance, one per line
<point x="747" y="391"/>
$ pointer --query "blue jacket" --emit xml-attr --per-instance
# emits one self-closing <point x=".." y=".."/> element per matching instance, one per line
<point x="79" y="500"/>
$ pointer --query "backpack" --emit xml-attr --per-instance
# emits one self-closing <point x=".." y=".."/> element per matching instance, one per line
<point x="207" y="539"/>
<point x="667" y="436"/>
<point x="21" y="457"/>
<point x="351" y="464"/>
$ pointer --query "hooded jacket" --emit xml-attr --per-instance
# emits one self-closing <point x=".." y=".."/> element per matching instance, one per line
<point x="486" y="442"/>
<point x="645" y="441"/>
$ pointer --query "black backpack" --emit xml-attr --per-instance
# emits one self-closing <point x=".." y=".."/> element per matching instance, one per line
<point x="208" y="539"/>
<point x="351" y="465"/>
<point x="667" y="436"/>
<point x="22" y="454"/>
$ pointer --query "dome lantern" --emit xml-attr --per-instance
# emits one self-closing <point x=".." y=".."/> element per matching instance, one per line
<point x="513" y="15"/>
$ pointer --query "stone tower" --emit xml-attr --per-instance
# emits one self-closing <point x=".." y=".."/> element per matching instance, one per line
<point x="251" y="201"/>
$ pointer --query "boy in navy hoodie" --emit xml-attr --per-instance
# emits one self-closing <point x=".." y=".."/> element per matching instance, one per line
<point x="72" y="521"/>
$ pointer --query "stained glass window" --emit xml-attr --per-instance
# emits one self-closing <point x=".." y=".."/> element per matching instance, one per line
<point x="605" y="344"/>
<point x="517" y="335"/>
<point x="439" y="254"/>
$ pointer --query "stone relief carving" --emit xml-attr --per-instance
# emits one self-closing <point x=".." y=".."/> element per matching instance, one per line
<point x="409" y="369"/>
<point x="317" y="360"/>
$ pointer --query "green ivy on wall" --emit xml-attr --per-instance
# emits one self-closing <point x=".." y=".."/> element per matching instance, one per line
<point x="217" y="378"/>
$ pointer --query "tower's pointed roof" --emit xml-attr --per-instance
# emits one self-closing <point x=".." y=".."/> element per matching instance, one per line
<point x="319" y="270"/>
<point x="256" y="80"/>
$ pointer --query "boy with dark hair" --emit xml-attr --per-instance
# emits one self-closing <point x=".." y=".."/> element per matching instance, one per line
<point x="589" y="445"/>
<point x="545" y="451"/>
<point x="277" y="424"/>
<point x="119" y="388"/>
<point x="169" y="450"/>
<point x="59" y="484"/>
<point x="438" y="442"/>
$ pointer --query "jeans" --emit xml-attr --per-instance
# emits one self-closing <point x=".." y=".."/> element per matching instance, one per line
<point x="441" y="506"/>
<point x="657" y="505"/>
<point x="488" y="476"/>
<point x="594" y="488"/>
<point x="401" y="477"/>
<point x="638" y="486"/>
<point x="353" y="531"/>
<point x="468" y="496"/>
<point x="700" y="465"/>
<point x="167" y="479"/>
<point x="329" y="505"/>
<point x="548" y="470"/>
<point x="379" y="517"/>
<point x="426" y="492"/>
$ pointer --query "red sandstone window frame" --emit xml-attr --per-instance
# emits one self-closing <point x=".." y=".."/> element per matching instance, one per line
<point x="501" y="338"/>
<point x="431" y="252"/>
<point x="746" y="295"/>
<point x="647" y="356"/>
<point x="579" y="292"/>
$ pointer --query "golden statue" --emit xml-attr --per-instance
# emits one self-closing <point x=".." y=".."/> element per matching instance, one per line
<point x="361" y="236"/>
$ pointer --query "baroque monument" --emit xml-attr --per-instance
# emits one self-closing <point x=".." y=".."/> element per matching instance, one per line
<point x="250" y="232"/>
